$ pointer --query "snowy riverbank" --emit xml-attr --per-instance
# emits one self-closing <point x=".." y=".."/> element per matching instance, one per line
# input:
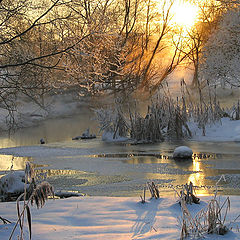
<point x="107" y="218"/>
<point x="222" y="131"/>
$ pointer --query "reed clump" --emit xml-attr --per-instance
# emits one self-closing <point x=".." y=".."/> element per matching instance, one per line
<point x="166" y="117"/>
<point x="153" y="189"/>
<point x="209" y="220"/>
<point x="34" y="194"/>
<point x="187" y="194"/>
<point x="113" y="121"/>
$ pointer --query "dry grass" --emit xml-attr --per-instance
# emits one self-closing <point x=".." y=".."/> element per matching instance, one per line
<point x="209" y="220"/>
<point x="189" y="224"/>
<point x="153" y="189"/>
<point x="187" y="194"/>
<point x="36" y="194"/>
<point x="113" y="120"/>
<point x="4" y="220"/>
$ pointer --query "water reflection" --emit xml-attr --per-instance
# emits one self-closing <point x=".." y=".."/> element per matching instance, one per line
<point x="8" y="162"/>
<point x="193" y="170"/>
<point x="199" y="176"/>
<point x="70" y="126"/>
<point x="122" y="170"/>
<point x="195" y="177"/>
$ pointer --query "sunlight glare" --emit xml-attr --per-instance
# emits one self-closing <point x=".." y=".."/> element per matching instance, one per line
<point x="184" y="14"/>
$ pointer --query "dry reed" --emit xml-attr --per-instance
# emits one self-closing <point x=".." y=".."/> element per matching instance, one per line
<point x="35" y="194"/>
<point x="209" y="220"/>
<point x="153" y="189"/>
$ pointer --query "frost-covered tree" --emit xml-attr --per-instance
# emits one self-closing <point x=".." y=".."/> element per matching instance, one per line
<point x="222" y="51"/>
<point x="27" y="55"/>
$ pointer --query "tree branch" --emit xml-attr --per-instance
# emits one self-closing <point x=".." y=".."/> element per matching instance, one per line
<point x="31" y="27"/>
<point x="30" y="61"/>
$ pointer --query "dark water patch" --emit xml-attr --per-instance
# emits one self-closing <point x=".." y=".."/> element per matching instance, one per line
<point x="157" y="155"/>
<point x="129" y="155"/>
<point x="69" y="127"/>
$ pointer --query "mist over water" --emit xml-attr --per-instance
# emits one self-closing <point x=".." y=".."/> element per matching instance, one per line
<point x="51" y="130"/>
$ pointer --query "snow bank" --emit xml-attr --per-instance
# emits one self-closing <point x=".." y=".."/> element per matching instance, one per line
<point x="182" y="152"/>
<point x="225" y="130"/>
<point x="108" y="218"/>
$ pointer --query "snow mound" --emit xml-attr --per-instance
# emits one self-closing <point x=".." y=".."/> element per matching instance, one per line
<point x="182" y="152"/>
<point x="109" y="137"/>
<point x="11" y="183"/>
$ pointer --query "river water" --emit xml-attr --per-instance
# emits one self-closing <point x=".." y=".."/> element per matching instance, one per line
<point x="94" y="167"/>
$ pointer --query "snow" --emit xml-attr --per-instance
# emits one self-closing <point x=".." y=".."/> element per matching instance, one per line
<point x="107" y="218"/>
<point x="12" y="182"/>
<point x="109" y="137"/>
<point x="182" y="152"/>
<point x="45" y="151"/>
<point x="225" y="130"/>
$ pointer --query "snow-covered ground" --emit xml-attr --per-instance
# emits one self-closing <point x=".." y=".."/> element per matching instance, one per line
<point x="225" y="130"/>
<point x="107" y="218"/>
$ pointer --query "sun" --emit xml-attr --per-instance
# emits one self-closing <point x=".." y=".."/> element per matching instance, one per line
<point x="184" y="14"/>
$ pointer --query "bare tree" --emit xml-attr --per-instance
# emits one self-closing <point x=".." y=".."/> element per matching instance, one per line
<point x="31" y="49"/>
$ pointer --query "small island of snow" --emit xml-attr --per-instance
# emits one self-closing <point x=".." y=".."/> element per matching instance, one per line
<point x="182" y="152"/>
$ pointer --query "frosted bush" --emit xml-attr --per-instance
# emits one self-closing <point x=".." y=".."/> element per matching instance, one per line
<point x="112" y="122"/>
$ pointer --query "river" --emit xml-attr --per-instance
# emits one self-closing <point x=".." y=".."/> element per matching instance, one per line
<point x="94" y="167"/>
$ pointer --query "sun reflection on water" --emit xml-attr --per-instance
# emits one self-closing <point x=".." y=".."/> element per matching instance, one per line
<point x="198" y="176"/>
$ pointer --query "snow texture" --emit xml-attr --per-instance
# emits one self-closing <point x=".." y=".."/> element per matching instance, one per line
<point x="12" y="182"/>
<point x="225" y="130"/>
<point x="108" y="218"/>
